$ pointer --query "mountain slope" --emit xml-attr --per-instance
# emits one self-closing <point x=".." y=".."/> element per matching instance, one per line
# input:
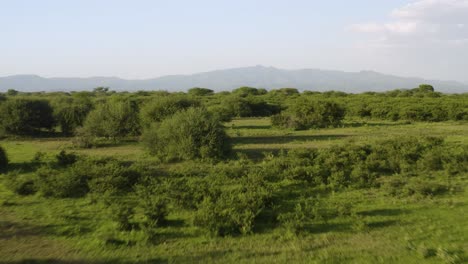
<point x="258" y="76"/>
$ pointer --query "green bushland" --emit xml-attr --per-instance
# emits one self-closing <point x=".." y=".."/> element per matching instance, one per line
<point x="357" y="188"/>
<point x="25" y="116"/>
<point x="103" y="115"/>
<point x="188" y="134"/>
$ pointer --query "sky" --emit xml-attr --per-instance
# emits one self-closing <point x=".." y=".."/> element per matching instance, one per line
<point x="137" y="39"/>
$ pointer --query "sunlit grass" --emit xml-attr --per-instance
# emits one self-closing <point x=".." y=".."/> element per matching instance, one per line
<point x="399" y="229"/>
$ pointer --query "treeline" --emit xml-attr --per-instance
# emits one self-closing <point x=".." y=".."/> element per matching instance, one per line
<point x="104" y="113"/>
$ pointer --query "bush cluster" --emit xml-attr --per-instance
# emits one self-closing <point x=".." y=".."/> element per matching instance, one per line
<point x="189" y="134"/>
<point x="361" y="165"/>
<point x="306" y="114"/>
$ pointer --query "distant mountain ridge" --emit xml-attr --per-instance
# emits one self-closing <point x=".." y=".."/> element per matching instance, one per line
<point x="221" y="80"/>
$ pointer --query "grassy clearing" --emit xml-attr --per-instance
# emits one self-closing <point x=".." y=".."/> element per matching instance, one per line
<point x="382" y="228"/>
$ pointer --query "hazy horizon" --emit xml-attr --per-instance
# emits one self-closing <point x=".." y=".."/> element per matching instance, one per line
<point x="223" y="69"/>
<point x="148" y="39"/>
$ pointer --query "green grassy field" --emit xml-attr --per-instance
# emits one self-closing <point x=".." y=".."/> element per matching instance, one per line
<point x="34" y="229"/>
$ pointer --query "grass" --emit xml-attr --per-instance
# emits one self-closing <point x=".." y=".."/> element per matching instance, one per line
<point x="382" y="229"/>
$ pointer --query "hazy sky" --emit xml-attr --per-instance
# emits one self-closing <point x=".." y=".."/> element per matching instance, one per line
<point x="150" y="38"/>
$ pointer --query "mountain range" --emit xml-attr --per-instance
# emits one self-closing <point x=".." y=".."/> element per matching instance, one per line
<point x="221" y="80"/>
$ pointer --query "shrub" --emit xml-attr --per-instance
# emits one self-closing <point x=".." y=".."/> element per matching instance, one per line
<point x="25" y="116"/>
<point x="107" y="176"/>
<point x="306" y="113"/>
<point x="20" y="184"/>
<point x="70" y="113"/>
<point x="197" y="91"/>
<point x="188" y="134"/>
<point x="233" y="210"/>
<point x="3" y="160"/>
<point x="160" y="108"/>
<point x="65" y="159"/>
<point x="84" y="138"/>
<point x="112" y="120"/>
<point x="61" y="184"/>
<point x="122" y="213"/>
<point x="154" y="203"/>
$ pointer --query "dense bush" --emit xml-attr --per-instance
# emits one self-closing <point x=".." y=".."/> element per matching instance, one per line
<point x="306" y="113"/>
<point x="189" y="134"/>
<point x="65" y="159"/>
<point x="197" y="91"/>
<point x="113" y="119"/>
<point x="360" y="165"/>
<point x="61" y="184"/>
<point x="153" y="200"/>
<point x="76" y="177"/>
<point x="159" y="108"/>
<point x="233" y="210"/>
<point x="3" y="160"/>
<point x="70" y="113"/>
<point x="20" y="184"/>
<point x="26" y="116"/>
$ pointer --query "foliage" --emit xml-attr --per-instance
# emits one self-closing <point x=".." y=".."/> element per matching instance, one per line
<point x="25" y="116"/>
<point x="197" y="91"/>
<point x="113" y="119"/>
<point x="20" y="184"/>
<point x="189" y="134"/>
<point x="159" y="108"/>
<point x="65" y="159"/>
<point x="233" y="210"/>
<point x="305" y="114"/>
<point x="153" y="201"/>
<point x="60" y="184"/>
<point x="70" y="112"/>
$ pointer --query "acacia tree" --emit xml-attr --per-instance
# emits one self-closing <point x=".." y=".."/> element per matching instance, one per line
<point x="112" y="119"/>
<point x="70" y="113"/>
<point x="197" y="91"/>
<point x="26" y="116"/>
<point x="307" y="113"/>
<point x="161" y="107"/>
<point x="188" y="134"/>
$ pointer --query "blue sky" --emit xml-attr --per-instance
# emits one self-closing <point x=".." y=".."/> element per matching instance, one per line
<point x="144" y="39"/>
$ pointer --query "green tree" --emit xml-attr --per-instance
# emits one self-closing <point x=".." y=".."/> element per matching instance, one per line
<point x="70" y="113"/>
<point x="188" y="134"/>
<point x="113" y="119"/>
<point x="161" y="107"/>
<point x="197" y="91"/>
<point x="425" y="88"/>
<point x="307" y="113"/>
<point x="26" y="116"/>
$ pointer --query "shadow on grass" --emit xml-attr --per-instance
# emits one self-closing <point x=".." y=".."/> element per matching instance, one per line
<point x="375" y="124"/>
<point x="251" y="127"/>
<point x="381" y="224"/>
<point x="24" y="167"/>
<point x="383" y="212"/>
<point x="284" y="139"/>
